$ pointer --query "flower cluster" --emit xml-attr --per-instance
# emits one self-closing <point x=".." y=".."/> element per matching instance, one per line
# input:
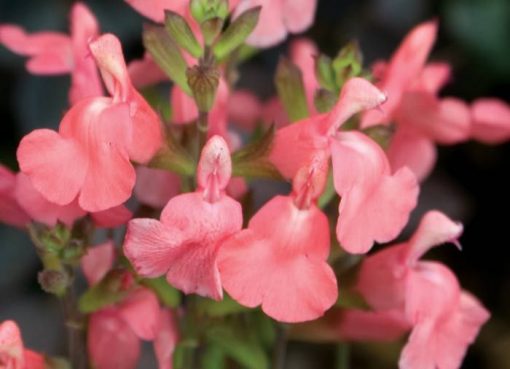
<point x="197" y="252"/>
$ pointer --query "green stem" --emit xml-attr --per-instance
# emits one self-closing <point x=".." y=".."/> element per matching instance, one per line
<point x="202" y="130"/>
<point x="342" y="356"/>
<point x="74" y="322"/>
<point x="280" y="350"/>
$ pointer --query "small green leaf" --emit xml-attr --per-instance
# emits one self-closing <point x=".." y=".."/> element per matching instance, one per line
<point x="348" y="63"/>
<point x="213" y="358"/>
<point x="56" y="362"/>
<point x="236" y="33"/>
<point x="173" y="157"/>
<point x="203" y="10"/>
<point x="252" y="162"/>
<point x="168" y="295"/>
<point x="166" y="54"/>
<point x="181" y="33"/>
<point x="107" y="292"/>
<point x="239" y="344"/>
<point x="381" y="134"/>
<point x="221" y="308"/>
<point x="291" y="90"/>
<point x="325" y="73"/>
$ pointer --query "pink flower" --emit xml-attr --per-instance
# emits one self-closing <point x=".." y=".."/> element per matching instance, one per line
<point x="445" y="319"/>
<point x="302" y="53"/>
<point x="115" y="332"/>
<point x="53" y="53"/>
<point x="12" y="353"/>
<point x="185" y="243"/>
<point x="280" y="261"/>
<point x="90" y="155"/>
<point x="375" y="203"/>
<point x="422" y="119"/>
<point x="277" y="19"/>
<point x="10" y="210"/>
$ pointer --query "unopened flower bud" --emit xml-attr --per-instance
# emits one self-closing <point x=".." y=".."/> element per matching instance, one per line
<point x="203" y="81"/>
<point x="203" y="10"/>
<point x="54" y="281"/>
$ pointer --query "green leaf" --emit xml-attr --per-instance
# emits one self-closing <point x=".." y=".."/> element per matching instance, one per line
<point x="348" y="63"/>
<point x="240" y="345"/>
<point x="381" y="134"/>
<point x="325" y="100"/>
<point x="166" y="54"/>
<point x="107" y="292"/>
<point x="291" y="90"/>
<point x="252" y="162"/>
<point x="221" y="308"/>
<point x="174" y="157"/>
<point x="168" y="295"/>
<point x="236" y="33"/>
<point x="181" y="33"/>
<point x="325" y="73"/>
<point x="213" y="358"/>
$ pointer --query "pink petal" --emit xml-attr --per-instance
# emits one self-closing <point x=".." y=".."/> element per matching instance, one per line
<point x="435" y="229"/>
<point x="110" y="175"/>
<point x="85" y="80"/>
<point x="50" y="52"/>
<point x="145" y="72"/>
<point x="184" y="108"/>
<point x="155" y="9"/>
<point x="274" y="113"/>
<point x="491" y="121"/>
<point x="141" y="311"/>
<point x="203" y="227"/>
<point x="56" y="166"/>
<point x="433" y="77"/>
<point x="155" y="187"/>
<point x="375" y="205"/>
<point x="418" y="352"/>
<point x="280" y="263"/>
<point x="10" y="210"/>
<point x="406" y="65"/>
<point x="166" y="339"/>
<point x="214" y="168"/>
<point x="303" y="52"/>
<point x="42" y="210"/>
<point x="445" y="121"/>
<point x="298" y="15"/>
<point x="381" y="326"/>
<point x="11" y="345"/>
<point x="413" y="150"/>
<point x="458" y="332"/>
<point x="97" y="262"/>
<point x="270" y="29"/>
<point x="107" y="51"/>
<point x="34" y="360"/>
<point x="244" y="109"/>
<point x="149" y="246"/>
<point x="432" y="292"/>
<point x="111" y="342"/>
<point x="113" y="217"/>
<point x="381" y="279"/>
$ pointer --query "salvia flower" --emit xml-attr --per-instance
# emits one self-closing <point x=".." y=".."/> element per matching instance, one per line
<point x="13" y="354"/>
<point x="184" y="243"/>
<point x="53" y="53"/>
<point x="375" y="202"/>
<point x="89" y="157"/>
<point x="280" y="261"/>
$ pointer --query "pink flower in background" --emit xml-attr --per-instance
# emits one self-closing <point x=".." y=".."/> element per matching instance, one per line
<point x="115" y="331"/>
<point x="375" y="202"/>
<point x="490" y="121"/>
<point x="90" y="155"/>
<point x="10" y="210"/>
<point x="155" y="187"/>
<point x="280" y="261"/>
<point x="52" y="53"/>
<point x="277" y="19"/>
<point x="185" y="243"/>
<point x="13" y="355"/>
<point x="445" y="319"/>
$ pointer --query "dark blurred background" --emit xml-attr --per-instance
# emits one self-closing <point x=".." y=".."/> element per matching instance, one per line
<point x="470" y="182"/>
